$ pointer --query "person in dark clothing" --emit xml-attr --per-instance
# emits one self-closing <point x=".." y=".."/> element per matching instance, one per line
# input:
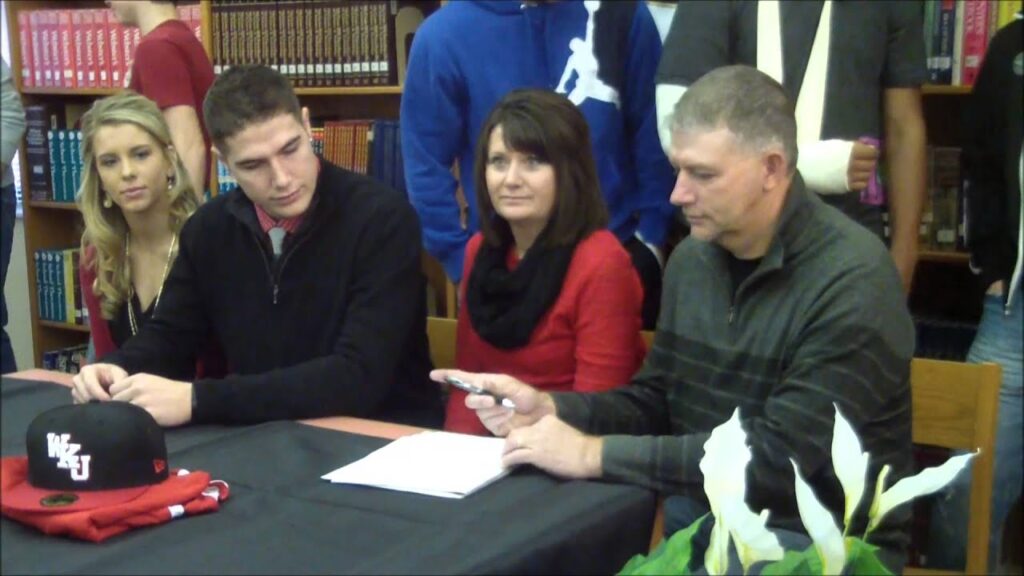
<point x="854" y="71"/>
<point x="993" y="161"/>
<point x="309" y="279"/>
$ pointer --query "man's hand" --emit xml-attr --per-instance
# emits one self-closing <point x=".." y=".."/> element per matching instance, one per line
<point x="168" y="401"/>
<point x="861" y="167"/>
<point x="555" y="447"/>
<point x="531" y="405"/>
<point x="93" y="382"/>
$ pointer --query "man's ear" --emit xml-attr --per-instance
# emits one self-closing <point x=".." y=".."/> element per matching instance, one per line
<point x="305" y="121"/>
<point x="217" y="155"/>
<point x="776" y="168"/>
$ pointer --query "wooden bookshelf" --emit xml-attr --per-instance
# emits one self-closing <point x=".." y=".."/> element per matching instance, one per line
<point x="944" y="286"/>
<point x="64" y="326"/>
<point x="945" y="90"/>
<point x="326" y="91"/>
<point x="350" y="91"/>
<point x="944" y="257"/>
<point x="50" y="205"/>
<point x="92" y="92"/>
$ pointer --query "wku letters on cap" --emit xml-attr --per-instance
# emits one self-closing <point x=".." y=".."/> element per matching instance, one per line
<point x="60" y="447"/>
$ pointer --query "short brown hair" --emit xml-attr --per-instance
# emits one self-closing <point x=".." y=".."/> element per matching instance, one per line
<point x="244" y="95"/>
<point x="746" y="101"/>
<point x="550" y="127"/>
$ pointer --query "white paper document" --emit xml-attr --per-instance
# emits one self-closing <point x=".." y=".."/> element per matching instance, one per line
<point x="441" y="464"/>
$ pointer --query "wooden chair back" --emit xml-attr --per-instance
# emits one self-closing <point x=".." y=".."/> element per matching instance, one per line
<point x="955" y="405"/>
<point x="441" y="336"/>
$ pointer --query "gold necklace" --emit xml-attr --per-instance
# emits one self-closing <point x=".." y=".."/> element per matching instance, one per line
<point x="131" y="287"/>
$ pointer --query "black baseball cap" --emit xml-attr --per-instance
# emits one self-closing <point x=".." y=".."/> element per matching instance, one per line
<point x="90" y="455"/>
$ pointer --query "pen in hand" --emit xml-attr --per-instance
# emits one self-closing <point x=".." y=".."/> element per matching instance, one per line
<point x="467" y="387"/>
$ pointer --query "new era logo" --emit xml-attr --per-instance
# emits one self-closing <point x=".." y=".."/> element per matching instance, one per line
<point x="60" y="447"/>
<point x="159" y="465"/>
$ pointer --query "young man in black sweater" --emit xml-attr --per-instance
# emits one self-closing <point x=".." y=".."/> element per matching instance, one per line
<point x="309" y="279"/>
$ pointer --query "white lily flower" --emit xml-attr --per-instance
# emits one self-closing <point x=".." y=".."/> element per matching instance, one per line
<point x="716" y="557"/>
<point x="820" y="526"/>
<point x="724" y="466"/>
<point x="754" y="542"/>
<point x="925" y="482"/>
<point x="850" y="463"/>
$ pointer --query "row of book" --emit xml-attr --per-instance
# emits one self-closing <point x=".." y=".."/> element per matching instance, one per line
<point x="225" y="181"/>
<point x="313" y="42"/>
<point x="53" y="155"/>
<point x="69" y="360"/>
<point x="943" y="217"/>
<point x="58" y="290"/>
<point x="65" y="149"/>
<point x="957" y="33"/>
<point x="943" y="339"/>
<point x="40" y="121"/>
<point x="81" y="48"/>
<point x="371" y="147"/>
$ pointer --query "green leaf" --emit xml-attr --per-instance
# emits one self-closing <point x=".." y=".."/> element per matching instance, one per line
<point x="805" y="562"/>
<point x="862" y="558"/>
<point x="672" y="556"/>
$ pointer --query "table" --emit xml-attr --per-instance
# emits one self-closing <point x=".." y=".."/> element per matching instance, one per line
<point x="281" y="518"/>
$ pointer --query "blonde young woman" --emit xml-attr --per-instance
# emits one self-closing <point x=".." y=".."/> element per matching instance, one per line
<point x="135" y="197"/>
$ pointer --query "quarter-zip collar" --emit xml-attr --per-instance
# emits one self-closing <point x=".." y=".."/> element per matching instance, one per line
<point x="784" y="240"/>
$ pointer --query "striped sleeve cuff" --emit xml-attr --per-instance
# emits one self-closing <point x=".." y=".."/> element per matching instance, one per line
<point x="660" y="462"/>
<point x="572" y="408"/>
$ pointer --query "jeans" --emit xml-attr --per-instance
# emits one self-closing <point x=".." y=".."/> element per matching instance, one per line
<point x="7" y="210"/>
<point x="999" y="340"/>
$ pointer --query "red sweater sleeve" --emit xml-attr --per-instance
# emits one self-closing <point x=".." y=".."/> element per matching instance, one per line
<point x="609" y="298"/>
<point x="102" y="341"/>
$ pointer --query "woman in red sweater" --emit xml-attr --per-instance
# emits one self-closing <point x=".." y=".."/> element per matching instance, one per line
<point x="135" y="196"/>
<point x="549" y="296"/>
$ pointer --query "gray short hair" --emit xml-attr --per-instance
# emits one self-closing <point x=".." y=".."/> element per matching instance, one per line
<point x="747" y="102"/>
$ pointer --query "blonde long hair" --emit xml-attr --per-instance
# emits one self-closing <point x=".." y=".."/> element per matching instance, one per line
<point x="105" y="228"/>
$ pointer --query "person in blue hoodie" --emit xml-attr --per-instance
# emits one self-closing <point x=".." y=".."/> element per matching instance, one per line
<point x="601" y="55"/>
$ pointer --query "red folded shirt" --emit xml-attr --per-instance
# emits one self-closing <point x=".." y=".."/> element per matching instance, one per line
<point x="183" y="493"/>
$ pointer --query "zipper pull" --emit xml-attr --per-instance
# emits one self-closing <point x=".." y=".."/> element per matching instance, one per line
<point x="732" y="309"/>
<point x="275" y="294"/>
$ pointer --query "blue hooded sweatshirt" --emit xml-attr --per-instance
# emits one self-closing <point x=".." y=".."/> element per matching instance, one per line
<point x="468" y="55"/>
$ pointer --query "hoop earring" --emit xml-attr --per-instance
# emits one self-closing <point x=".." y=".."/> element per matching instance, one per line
<point x="107" y="202"/>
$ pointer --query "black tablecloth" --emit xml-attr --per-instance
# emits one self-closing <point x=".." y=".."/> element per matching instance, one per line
<point x="281" y="518"/>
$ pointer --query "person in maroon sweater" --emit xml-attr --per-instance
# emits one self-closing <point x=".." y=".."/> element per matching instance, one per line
<point x="171" y="68"/>
<point x="551" y="297"/>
